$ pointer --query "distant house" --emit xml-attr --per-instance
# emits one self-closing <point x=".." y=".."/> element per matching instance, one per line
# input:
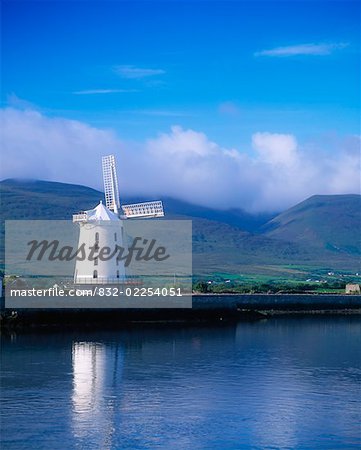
<point x="353" y="289"/>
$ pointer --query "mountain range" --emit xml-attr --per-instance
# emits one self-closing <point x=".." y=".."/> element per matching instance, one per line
<point x="322" y="233"/>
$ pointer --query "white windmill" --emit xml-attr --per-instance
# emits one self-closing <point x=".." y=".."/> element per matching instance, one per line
<point x="102" y="227"/>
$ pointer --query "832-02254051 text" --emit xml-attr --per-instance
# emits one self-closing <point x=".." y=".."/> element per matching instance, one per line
<point x="99" y="291"/>
<point x="138" y="292"/>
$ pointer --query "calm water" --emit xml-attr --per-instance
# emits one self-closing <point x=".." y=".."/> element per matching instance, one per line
<point x="280" y="383"/>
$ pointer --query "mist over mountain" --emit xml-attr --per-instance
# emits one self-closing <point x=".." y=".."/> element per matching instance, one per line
<point x="269" y="172"/>
<point x="35" y="199"/>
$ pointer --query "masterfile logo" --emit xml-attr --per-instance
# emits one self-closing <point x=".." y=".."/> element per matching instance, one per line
<point x="132" y="264"/>
<point x="139" y="250"/>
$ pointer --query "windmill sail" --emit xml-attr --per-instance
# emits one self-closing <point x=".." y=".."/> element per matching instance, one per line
<point x="146" y="209"/>
<point x="110" y="184"/>
<point x="136" y="210"/>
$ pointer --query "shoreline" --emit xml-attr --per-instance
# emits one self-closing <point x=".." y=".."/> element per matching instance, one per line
<point x="206" y="308"/>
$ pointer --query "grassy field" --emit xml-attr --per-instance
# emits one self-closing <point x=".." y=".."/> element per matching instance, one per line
<point x="295" y="281"/>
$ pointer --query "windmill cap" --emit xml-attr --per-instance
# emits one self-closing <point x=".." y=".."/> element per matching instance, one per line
<point x="101" y="212"/>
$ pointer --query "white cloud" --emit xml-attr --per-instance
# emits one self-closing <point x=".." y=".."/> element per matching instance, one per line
<point x="303" y="49"/>
<point x="181" y="142"/>
<point x="276" y="149"/>
<point x="182" y="163"/>
<point x="103" y="91"/>
<point x="35" y="146"/>
<point x="137" y="72"/>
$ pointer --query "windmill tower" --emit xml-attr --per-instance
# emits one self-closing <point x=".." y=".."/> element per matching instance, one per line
<point x="102" y="227"/>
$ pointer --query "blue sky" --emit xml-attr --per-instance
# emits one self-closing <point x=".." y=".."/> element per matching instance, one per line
<point x="206" y="71"/>
<point x="229" y="70"/>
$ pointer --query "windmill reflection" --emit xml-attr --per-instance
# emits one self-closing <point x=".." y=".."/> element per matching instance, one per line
<point x="97" y="372"/>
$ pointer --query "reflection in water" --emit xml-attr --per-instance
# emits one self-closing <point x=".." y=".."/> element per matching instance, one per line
<point x="285" y="383"/>
<point x="89" y="371"/>
<point x="96" y="369"/>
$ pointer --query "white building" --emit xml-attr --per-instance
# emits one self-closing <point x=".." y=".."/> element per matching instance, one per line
<point x="353" y="289"/>
<point x="99" y="228"/>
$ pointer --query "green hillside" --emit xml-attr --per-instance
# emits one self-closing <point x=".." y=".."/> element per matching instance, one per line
<point x="308" y="240"/>
<point x="331" y="222"/>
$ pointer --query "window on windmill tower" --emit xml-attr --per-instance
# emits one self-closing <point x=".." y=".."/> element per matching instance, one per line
<point x="115" y="237"/>
<point x="97" y="237"/>
<point x="96" y="261"/>
<point x="117" y="273"/>
<point x="95" y="274"/>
